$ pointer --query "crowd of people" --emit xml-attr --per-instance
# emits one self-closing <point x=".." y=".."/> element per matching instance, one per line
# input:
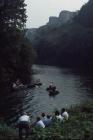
<point x="24" y="122"/>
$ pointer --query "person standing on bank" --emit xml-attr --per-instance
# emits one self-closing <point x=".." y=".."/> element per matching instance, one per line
<point x="24" y="124"/>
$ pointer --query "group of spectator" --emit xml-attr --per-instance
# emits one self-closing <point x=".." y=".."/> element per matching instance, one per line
<point x="24" y="122"/>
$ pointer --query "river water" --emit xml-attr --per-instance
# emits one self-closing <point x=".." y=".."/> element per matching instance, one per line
<point x="74" y="88"/>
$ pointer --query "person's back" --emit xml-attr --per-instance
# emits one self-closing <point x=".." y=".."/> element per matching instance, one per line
<point x="24" y="123"/>
<point x="64" y="114"/>
<point x="24" y="118"/>
<point x="43" y="117"/>
<point x="58" y="116"/>
<point x="40" y="123"/>
<point x="48" y="120"/>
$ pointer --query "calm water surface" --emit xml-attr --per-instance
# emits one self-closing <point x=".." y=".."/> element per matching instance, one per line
<point x="74" y="89"/>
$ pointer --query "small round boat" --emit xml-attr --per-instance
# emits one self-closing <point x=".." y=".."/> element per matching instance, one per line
<point x="52" y="93"/>
<point x="17" y="88"/>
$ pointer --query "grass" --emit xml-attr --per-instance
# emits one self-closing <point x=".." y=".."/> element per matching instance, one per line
<point x="78" y="127"/>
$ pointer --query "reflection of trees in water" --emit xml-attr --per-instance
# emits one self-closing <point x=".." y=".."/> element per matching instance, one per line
<point x="85" y="78"/>
<point x="11" y="105"/>
<point x="87" y="83"/>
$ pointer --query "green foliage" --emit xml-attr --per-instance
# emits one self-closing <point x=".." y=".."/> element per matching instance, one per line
<point x="79" y="126"/>
<point x="13" y="43"/>
<point x="26" y="58"/>
<point x="12" y="13"/>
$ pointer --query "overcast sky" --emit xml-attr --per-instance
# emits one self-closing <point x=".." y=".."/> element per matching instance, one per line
<point x="39" y="11"/>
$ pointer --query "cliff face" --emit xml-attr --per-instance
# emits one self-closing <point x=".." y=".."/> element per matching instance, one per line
<point x="64" y="17"/>
<point x="53" y="21"/>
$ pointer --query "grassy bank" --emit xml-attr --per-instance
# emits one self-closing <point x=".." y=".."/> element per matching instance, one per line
<point x="79" y="126"/>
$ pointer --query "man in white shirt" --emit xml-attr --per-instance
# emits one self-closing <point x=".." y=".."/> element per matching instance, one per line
<point x="39" y="123"/>
<point x="24" y="123"/>
<point x="58" y="116"/>
<point x="64" y="114"/>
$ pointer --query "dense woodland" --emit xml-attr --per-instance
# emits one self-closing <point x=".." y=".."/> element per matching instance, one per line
<point x="16" y="53"/>
<point x="69" y="45"/>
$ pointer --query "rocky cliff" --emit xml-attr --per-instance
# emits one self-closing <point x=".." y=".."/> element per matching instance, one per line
<point x="64" y="17"/>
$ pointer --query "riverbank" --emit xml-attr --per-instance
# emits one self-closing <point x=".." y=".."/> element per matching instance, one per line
<point x="79" y="126"/>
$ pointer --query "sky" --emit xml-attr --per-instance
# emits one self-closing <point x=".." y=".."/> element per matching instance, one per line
<point x="39" y="11"/>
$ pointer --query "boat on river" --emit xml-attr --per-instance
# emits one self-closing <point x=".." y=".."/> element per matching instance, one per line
<point x="52" y="90"/>
<point x="53" y="93"/>
<point x="21" y="86"/>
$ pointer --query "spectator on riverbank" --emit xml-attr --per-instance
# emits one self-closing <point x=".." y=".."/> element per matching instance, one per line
<point x="44" y="117"/>
<point x="64" y="114"/>
<point x="24" y="124"/>
<point x="39" y="123"/>
<point x="48" y="120"/>
<point x="58" y="116"/>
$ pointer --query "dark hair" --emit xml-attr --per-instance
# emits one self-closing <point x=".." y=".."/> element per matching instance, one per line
<point x="48" y="116"/>
<point x="63" y="110"/>
<point x="56" y="112"/>
<point x="23" y="113"/>
<point x="38" y="119"/>
<point x="43" y="114"/>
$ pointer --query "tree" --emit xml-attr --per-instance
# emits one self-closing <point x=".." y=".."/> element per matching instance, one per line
<point x="12" y="13"/>
<point x="12" y="23"/>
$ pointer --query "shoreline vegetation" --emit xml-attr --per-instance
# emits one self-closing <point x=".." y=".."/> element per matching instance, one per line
<point x="79" y="126"/>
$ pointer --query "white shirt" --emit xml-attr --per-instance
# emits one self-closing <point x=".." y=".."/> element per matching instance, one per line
<point x="65" y="115"/>
<point x="24" y="118"/>
<point x="40" y="124"/>
<point x="60" y="118"/>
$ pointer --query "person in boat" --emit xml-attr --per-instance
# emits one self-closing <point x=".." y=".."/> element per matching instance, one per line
<point x="14" y="86"/>
<point x="19" y="83"/>
<point x="24" y="124"/>
<point x="64" y="113"/>
<point x="39" y="123"/>
<point x="58" y="116"/>
<point x="52" y="86"/>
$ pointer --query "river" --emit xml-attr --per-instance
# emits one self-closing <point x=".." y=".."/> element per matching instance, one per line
<point x="75" y="88"/>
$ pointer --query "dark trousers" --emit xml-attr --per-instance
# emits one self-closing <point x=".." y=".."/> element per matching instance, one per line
<point x="23" y="126"/>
